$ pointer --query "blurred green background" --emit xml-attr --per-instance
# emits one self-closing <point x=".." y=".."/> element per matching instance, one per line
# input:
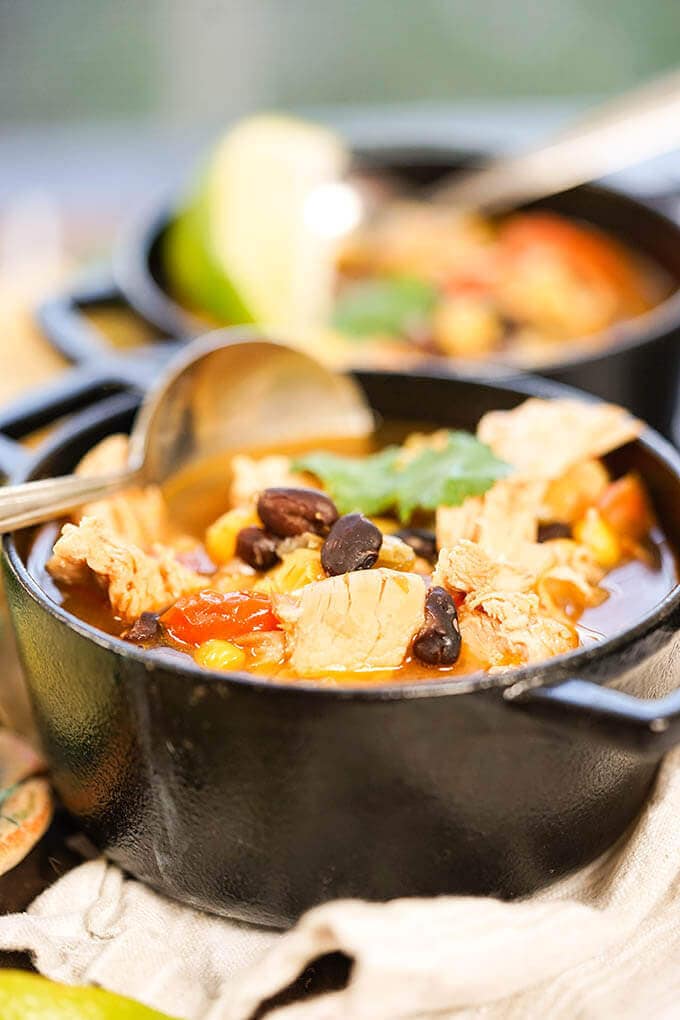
<point x="178" y="60"/>
<point x="106" y="105"/>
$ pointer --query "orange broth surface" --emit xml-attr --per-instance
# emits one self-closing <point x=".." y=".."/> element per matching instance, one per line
<point x="198" y="495"/>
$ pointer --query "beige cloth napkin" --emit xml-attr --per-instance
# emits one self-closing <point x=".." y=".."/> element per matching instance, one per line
<point x="603" y="943"/>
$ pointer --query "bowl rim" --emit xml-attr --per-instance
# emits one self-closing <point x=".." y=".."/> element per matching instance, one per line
<point x="551" y="671"/>
<point x="139" y="237"/>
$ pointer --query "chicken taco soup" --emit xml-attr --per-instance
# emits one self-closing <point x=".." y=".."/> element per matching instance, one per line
<point x="529" y="289"/>
<point x="391" y="276"/>
<point x="438" y="555"/>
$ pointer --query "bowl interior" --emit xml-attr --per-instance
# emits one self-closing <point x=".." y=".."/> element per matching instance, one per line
<point x="438" y="399"/>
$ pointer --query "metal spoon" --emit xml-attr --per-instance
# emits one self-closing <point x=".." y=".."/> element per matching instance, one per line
<point x="226" y="391"/>
<point x="640" y="124"/>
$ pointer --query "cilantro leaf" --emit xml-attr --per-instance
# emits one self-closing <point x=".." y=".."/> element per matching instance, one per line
<point x="364" y="484"/>
<point x="446" y="477"/>
<point x="442" y="476"/>
<point x="390" y="306"/>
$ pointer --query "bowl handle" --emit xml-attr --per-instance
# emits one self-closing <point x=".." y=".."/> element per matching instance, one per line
<point x="73" y="390"/>
<point x="68" y="330"/>
<point x="645" y="726"/>
<point x="98" y="371"/>
<point x="14" y="459"/>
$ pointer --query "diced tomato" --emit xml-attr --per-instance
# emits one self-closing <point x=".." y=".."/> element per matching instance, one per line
<point x="225" y="615"/>
<point x="591" y="255"/>
<point x="625" y="507"/>
<point x="469" y="283"/>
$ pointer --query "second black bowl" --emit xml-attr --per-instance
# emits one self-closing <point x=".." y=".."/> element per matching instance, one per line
<point x="639" y="369"/>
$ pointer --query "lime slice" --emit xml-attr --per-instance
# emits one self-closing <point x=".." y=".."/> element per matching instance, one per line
<point x="193" y="271"/>
<point x="256" y="242"/>
<point x="26" y="996"/>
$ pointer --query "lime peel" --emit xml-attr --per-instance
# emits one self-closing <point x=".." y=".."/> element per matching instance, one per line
<point x="243" y="248"/>
<point x="25" y="996"/>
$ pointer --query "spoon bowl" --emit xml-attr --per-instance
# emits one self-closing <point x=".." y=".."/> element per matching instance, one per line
<point x="229" y="389"/>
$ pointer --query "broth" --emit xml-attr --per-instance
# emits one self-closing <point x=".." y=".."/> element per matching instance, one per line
<point x="199" y="494"/>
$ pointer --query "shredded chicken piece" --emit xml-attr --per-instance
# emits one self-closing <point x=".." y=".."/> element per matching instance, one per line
<point x="571" y="584"/>
<point x="138" y="514"/>
<point x="521" y="596"/>
<point x="503" y="521"/>
<point x="565" y="593"/>
<point x="561" y="572"/>
<point x="565" y="552"/>
<point x="456" y="522"/>
<point x="358" y="621"/>
<point x="504" y="629"/>
<point x="509" y="517"/>
<point x="468" y="567"/>
<point x="543" y="438"/>
<point x="135" y="581"/>
<point x="250" y="476"/>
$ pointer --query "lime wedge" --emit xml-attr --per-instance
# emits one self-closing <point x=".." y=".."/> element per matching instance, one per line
<point x="256" y="241"/>
<point x="26" y="996"/>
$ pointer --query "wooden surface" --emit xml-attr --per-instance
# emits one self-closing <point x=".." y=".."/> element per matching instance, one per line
<point x="26" y="360"/>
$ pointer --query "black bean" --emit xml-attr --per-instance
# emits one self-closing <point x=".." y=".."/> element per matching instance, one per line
<point x="352" y="544"/>
<point x="257" y="548"/>
<point x="422" y="541"/>
<point x="145" y="628"/>
<point x="288" y="512"/>
<point x="547" y="532"/>
<point x="438" y="641"/>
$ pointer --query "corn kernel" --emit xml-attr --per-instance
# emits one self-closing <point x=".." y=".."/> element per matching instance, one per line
<point x="220" y="538"/>
<point x="298" y="568"/>
<point x="602" y="541"/>
<point x="216" y="654"/>
<point x="387" y="525"/>
<point x="395" y="554"/>
<point x="466" y="326"/>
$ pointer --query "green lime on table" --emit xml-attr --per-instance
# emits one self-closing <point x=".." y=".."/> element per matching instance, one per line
<point x="26" y="996"/>
<point x="255" y="240"/>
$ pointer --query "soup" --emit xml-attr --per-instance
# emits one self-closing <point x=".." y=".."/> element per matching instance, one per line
<point x="529" y="289"/>
<point x="377" y="275"/>
<point x="420" y="556"/>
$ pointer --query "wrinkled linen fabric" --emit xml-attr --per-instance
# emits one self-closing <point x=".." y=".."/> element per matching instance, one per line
<point x="604" y="942"/>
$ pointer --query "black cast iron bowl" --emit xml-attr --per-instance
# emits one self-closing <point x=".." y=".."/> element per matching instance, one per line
<point x="639" y="370"/>
<point x="258" y="800"/>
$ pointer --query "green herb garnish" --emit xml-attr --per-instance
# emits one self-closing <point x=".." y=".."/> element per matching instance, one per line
<point x="392" y="306"/>
<point x="391" y="481"/>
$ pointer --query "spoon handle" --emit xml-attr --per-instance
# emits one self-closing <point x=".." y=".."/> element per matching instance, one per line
<point x="35" y="502"/>
<point x="639" y="125"/>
